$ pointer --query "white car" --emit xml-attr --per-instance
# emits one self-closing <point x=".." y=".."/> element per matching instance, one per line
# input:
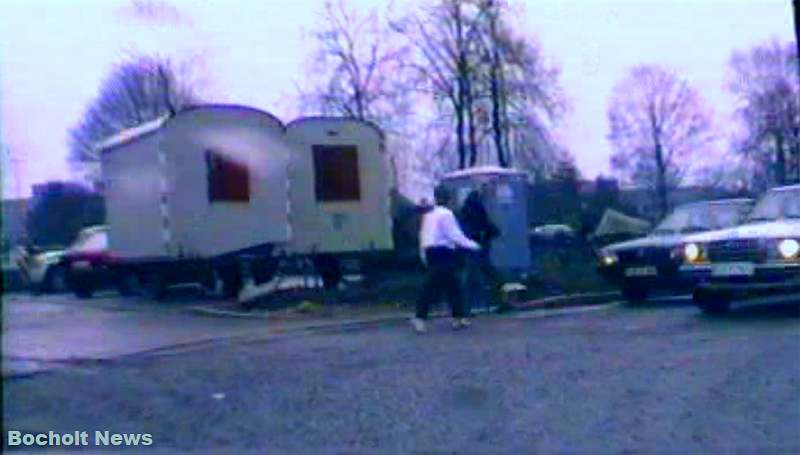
<point x="758" y="258"/>
<point x="559" y="233"/>
<point x="43" y="271"/>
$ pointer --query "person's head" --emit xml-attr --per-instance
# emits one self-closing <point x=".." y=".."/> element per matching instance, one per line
<point x="441" y="196"/>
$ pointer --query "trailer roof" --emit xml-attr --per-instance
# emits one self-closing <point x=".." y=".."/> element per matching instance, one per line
<point x="726" y="201"/>
<point x="130" y="134"/>
<point x="483" y="170"/>
<point x="787" y="187"/>
<point x="339" y="119"/>
<point x="138" y="132"/>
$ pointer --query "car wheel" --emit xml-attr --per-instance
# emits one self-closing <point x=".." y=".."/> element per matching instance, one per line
<point x="83" y="291"/>
<point x="55" y="281"/>
<point x="634" y="294"/>
<point x="716" y="307"/>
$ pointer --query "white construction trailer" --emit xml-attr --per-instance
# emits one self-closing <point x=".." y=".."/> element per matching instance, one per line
<point x="339" y="193"/>
<point x="196" y="196"/>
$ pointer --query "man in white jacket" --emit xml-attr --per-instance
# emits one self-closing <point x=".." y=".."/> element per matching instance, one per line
<point x="439" y="237"/>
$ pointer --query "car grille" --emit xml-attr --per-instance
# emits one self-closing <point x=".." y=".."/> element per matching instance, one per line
<point x="745" y="250"/>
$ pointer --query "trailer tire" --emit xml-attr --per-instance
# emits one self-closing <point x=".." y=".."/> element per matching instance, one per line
<point x="153" y="286"/>
<point x="232" y="281"/>
<point x="329" y="269"/>
<point x="127" y="285"/>
<point x="263" y="270"/>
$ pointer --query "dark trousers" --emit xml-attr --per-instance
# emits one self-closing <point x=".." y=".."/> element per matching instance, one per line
<point x="442" y="280"/>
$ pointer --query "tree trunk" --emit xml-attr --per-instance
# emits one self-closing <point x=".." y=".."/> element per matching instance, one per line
<point x="473" y="145"/>
<point x="661" y="181"/>
<point x="780" y="161"/>
<point x="459" y="108"/>
<point x="462" y="84"/>
<point x="494" y="81"/>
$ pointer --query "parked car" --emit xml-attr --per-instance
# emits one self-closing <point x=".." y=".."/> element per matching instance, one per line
<point x="759" y="258"/>
<point x="652" y="263"/>
<point x="13" y="274"/>
<point x="41" y="269"/>
<point x="87" y="262"/>
<point x="553" y="233"/>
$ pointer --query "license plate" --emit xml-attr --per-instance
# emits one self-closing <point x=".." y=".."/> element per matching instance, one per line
<point x="81" y="265"/>
<point x="641" y="271"/>
<point x="733" y="269"/>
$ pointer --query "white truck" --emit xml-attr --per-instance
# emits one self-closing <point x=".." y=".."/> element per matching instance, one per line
<point x="214" y="190"/>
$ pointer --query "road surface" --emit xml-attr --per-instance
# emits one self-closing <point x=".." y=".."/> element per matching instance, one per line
<point x="660" y="378"/>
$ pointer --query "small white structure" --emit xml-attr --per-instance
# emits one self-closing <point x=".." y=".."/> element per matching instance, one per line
<point x="339" y="186"/>
<point x="506" y="201"/>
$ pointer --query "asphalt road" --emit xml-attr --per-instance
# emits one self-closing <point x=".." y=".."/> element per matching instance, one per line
<point x="655" y="379"/>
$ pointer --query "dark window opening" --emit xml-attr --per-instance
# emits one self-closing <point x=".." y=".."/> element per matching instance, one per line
<point x="336" y="173"/>
<point x="228" y="181"/>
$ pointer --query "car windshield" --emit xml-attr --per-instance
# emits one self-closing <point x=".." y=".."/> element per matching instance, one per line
<point x="697" y="218"/>
<point x="777" y="205"/>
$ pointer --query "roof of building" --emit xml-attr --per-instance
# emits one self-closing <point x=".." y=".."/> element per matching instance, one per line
<point x="484" y="170"/>
<point x="339" y="119"/>
<point x="795" y="186"/>
<point x="131" y="134"/>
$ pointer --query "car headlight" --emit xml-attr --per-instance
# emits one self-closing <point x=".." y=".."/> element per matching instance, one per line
<point x="693" y="252"/>
<point x="608" y="258"/>
<point x="789" y="248"/>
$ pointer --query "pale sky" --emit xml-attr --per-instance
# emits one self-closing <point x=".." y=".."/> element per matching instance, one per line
<point x="54" y="53"/>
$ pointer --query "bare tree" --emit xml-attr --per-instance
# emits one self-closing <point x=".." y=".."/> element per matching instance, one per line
<point x="134" y="93"/>
<point x="492" y="82"/>
<point x="359" y="68"/>
<point x="445" y="63"/>
<point x="765" y="83"/>
<point x="656" y="122"/>
<point x="526" y="98"/>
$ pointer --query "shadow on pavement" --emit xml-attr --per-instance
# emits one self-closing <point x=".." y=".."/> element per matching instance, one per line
<point x="748" y="312"/>
<point x="660" y="302"/>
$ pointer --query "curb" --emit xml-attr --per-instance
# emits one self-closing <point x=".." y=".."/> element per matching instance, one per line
<point x="555" y="302"/>
<point x="563" y="301"/>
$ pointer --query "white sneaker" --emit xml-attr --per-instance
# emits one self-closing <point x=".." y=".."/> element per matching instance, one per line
<point x="465" y="322"/>
<point x="419" y="325"/>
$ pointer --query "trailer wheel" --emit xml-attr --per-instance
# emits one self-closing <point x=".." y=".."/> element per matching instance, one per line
<point x="127" y="285"/>
<point x="330" y="270"/>
<point x="263" y="270"/>
<point x="232" y="281"/>
<point x="153" y="286"/>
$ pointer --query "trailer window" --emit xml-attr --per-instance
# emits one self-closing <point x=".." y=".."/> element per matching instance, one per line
<point x="336" y="173"/>
<point x="228" y="181"/>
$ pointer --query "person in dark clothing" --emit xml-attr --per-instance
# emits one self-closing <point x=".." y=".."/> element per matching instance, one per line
<point x="440" y="236"/>
<point x="477" y="225"/>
